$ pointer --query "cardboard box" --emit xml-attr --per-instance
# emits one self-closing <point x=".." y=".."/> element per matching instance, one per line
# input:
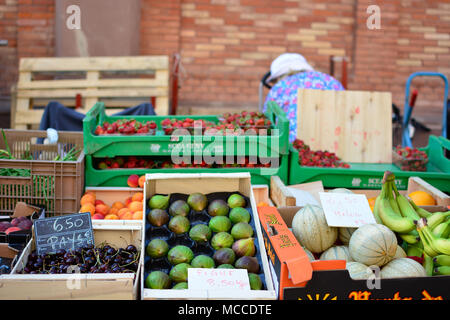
<point x="331" y="281"/>
<point x="98" y="286"/>
<point x="8" y="256"/>
<point x="21" y="210"/>
<point x="291" y="268"/>
<point x="206" y="184"/>
<point x="109" y="195"/>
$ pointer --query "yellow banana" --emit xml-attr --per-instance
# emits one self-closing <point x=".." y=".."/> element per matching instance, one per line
<point x="437" y="218"/>
<point x="442" y="260"/>
<point x="442" y="230"/>
<point x="440" y="245"/>
<point x="420" y="211"/>
<point x="414" y="251"/>
<point x="391" y="218"/>
<point x="428" y="264"/>
<point x="391" y="197"/>
<point x="411" y="237"/>
<point x="406" y="209"/>
<point x="442" y="271"/>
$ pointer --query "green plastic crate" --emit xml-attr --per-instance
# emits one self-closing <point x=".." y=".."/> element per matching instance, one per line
<point x="118" y="177"/>
<point x="369" y="176"/>
<point x="161" y="144"/>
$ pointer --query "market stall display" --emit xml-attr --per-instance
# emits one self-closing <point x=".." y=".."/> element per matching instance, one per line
<point x="245" y="141"/>
<point x="201" y="229"/>
<point x="49" y="175"/>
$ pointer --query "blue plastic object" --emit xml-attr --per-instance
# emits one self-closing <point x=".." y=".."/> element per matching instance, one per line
<point x="406" y="140"/>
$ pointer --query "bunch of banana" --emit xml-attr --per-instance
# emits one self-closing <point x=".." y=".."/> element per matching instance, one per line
<point x="425" y="234"/>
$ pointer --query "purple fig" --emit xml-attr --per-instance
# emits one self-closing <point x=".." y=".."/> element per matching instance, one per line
<point x="249" y="263"/>
<point x="244" y="247"/>
<point x="224" y="256"/>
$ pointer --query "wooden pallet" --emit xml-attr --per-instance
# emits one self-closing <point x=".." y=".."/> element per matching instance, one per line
<point x="120" y="82"/>
<point x="356" y="125"/>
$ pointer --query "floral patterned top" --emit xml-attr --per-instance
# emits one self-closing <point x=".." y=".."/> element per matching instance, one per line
<point x="284" y="93"/>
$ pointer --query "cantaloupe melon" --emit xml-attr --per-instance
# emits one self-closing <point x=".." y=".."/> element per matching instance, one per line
<point x="400" y="253"/>
<point x="309" y="254"/>
<point x="310" y="227"/>
<point x="336" y="253"/>
<point x="402" y="268"/>
<point x="373" y="244"/>
<point x="358" y="271"/>
<point x="345" y="234"/>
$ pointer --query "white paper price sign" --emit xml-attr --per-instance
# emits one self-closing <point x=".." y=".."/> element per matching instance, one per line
<point x="218" y="279"/>
<point x="346" y="210"/>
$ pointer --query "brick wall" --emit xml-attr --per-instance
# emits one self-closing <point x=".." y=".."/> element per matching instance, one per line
<point x="228" y="45"/>
<point x="8" y="54"/>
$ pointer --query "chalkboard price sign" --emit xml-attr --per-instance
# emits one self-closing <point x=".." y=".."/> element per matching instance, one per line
<point x="68" y="232"/>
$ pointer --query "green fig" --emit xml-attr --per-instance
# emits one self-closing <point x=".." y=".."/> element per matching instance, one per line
<point x="157" y="280"/>
<point x="159" y="202"/>
<point x="241" y="230"/>
<point x="180" y="286"/>
<point x="244" y="247"/>
<point x="239" y="214"/>
<point x="220" y="224"/>
<point x="224" y="256"/>
<point x="236" y="200"/>
<point x="222" y="240"/>
<point x="158" y="217"/>
<point x="200" y="233"/>
<point x="225" y="266"/>
<point x="218" y="207"/>
<point x="255" y="281"/>
<point x="197" y="201"/>
<point x="249" y="263"/>
<point x="179" y="208"/>
<point x="203" y="261"/>
<point x="179" y="224"/>
<point x="157" y="248"/>
<point x="180" y="254"/>
<point x="179" y="272"/>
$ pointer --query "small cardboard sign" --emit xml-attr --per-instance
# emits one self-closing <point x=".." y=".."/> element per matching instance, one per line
<point x="346" y="210"/>
<point x="67" y="232"/>
<point x="218" y="279"/>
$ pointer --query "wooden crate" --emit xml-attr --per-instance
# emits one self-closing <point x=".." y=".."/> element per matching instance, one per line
<point x="120" y="82"/>
<point x="109" y="195"/>
<point x="98" y="286"/>
<point x="356" y="125"/>
<point x="208" y="183"/>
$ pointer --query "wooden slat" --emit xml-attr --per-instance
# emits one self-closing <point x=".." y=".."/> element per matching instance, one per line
<point x="101" y="83"/>
<point x="356" y="125"/>
<point x="94" y="63"/>
<point x="117" y="93"/>
<point x="85" y="93"/>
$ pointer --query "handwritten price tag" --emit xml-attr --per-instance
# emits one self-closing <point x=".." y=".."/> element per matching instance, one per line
<point x="346" y="210"/>
<point x="218" y="279"/>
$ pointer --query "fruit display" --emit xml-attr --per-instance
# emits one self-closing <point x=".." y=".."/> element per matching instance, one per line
<point x="423" y="235"/>
<point x="410" y="159"/>
<point x="16" y="224"/>
<point x="126" y="127"/>
<point x="242" y="123"/>
<point x="133" y="162"/>
<point x="199" y="231"/>
<point x="128" y="208"/>
<point x="169" y="125"/>
<point x="311" y="158"/>
<point x="103" y="258"/>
